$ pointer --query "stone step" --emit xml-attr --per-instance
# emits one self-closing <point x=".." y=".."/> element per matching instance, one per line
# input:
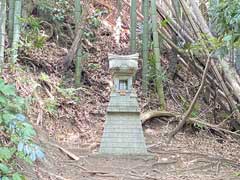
<point x="123" y="145"/>
<point x="122" y="135"/>
<point x="123" y="123"/>
<point x="119" y="151"/>
<point x="123" y="130"/>
<point x="123" y="119"/>
<point x="123" y="140"/>
<point x="122" y="126"/>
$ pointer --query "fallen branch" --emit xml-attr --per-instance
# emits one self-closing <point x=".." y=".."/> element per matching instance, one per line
<point x="70" y="154"/>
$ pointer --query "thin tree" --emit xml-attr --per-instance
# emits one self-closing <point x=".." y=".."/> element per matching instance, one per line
<point x="117" y="29"/>
<point x="11" y="5"/>
<point x="190" y="109"/>
<point x="2" y="30"/>
<point x="145" y="48"/>
<point x="78" y="67"/>
<point x="173" y="54"/>
<point x="16" y="30"/>
<point x="158" y="68"/>
<point x="133" y="35"/>
<point x="119" y="7"/>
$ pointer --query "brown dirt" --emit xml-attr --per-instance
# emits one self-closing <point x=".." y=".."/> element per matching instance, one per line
<point x="189" y="156"/>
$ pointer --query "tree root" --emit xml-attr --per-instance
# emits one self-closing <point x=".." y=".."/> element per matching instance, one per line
<point x="46" y="25"/>
<point x="52" y="174"/>
<point x="206" y="156"/>
<point x="154" y="114"/>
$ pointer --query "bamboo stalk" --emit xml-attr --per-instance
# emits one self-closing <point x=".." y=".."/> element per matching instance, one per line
<point x="182" y="32"/>
<point x="2" y="30"/>
<point x="158" y="68"/>
<point x="11" y="8"/>
<point x="133" y="35"/>
<point x="214" y="67"/>
<point x="145" y="48"/>
<point x="198" y="70"/>
<point x="16" y="30"/>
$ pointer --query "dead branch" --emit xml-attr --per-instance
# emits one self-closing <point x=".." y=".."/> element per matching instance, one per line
<point x="70" y="154"/>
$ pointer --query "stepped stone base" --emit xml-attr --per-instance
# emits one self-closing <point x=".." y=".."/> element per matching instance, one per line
<point x="123" y="133"/>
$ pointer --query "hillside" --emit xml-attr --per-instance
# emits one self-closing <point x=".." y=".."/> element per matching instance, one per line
<point x="69" y="120"/>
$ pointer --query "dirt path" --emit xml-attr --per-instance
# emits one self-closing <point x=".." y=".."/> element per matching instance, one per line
<point x="189" y="157"/>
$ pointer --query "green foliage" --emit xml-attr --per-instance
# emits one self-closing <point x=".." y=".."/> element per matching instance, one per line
<point x="153" y="72"/>
<point x="44" y="77"/>
<point x="226" y="22"/>
<point x="18" y="133"/>
<point x="69" y="93"/>
<point x="226" y="15"/>
<point x="54" y="10"/>
<point x="94" y="21"/>
<point x="93" y="66"/>
<point x="186" y="104"/>
<point x="50" y="105"/>
<point x="32" y="36"/>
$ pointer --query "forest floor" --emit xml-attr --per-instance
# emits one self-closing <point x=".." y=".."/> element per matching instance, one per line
<point x="188" y="157"/>
<point x="77" y="125"/>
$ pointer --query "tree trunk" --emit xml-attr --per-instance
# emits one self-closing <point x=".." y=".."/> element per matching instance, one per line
<point x="145" y="44"/>
<point x="16" y="30"/>
<point x="78" y="67"/>
<point x="133" y="35"/>
<point x="2" y="30"/>
<point x="158" y="68"/>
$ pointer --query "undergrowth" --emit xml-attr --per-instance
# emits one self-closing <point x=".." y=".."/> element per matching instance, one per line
<point x="16" y="134"/>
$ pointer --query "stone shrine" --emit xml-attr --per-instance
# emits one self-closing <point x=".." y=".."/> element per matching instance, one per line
<point x="123" y="133"/>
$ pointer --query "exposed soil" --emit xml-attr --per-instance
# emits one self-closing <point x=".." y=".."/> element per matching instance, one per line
<point x="189" y="156"/>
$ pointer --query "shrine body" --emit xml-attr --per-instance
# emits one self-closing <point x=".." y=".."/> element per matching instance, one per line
<point x="123" y="133"/>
